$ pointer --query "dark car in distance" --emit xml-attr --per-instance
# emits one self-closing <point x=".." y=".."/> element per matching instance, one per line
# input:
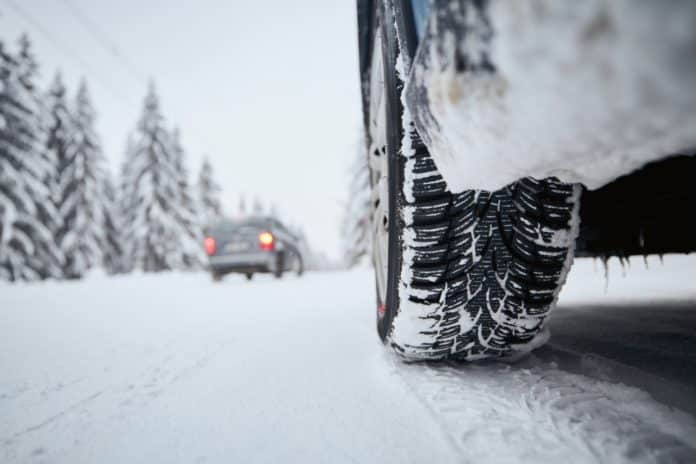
<point x="252" y="245"/>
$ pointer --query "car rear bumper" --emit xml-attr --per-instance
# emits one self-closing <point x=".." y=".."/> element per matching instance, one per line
<point x="243" y="262"/>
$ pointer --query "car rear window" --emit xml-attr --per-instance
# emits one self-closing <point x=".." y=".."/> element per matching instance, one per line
<point x="240" y="227"/>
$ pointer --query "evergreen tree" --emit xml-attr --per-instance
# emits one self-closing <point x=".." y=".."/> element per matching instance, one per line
<point x="155" y="238"/>
<point x="27" y="218"/>
<point x="61" y="147"/>
<point x="112" y="250"/>
<point x="127" y="200"/>
<point x="242" y="206"/>
<point x="258" y="209"/>
<point x="209" y="194"/>
<point x="187" y="214"/>
<point x="27" y="67"/>
<point x="78" y="192"/>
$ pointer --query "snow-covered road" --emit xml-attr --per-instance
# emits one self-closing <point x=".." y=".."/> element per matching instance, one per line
<point x="173" y="368"/>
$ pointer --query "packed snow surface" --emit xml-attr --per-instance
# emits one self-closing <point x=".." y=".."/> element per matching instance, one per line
<point x="174" y="368"/>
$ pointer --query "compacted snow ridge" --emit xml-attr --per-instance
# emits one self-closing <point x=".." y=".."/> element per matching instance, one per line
<point x="536" y="412"/>
<point x="171" y="367"/>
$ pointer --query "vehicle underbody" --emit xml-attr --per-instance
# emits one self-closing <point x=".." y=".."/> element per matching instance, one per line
<point x="650" y="211"/>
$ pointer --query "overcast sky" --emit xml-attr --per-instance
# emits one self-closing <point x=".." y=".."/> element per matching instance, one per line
<point x="269" y="90"/>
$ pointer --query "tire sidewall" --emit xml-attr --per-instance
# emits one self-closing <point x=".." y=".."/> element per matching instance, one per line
<point x="394" y="112"/>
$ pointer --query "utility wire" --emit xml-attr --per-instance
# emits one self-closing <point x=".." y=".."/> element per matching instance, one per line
<point x="63" y="47"/>
<point x="101" y="37"/>
<point x="103" y="40"/>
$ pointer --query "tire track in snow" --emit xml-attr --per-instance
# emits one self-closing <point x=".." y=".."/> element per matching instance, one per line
<point x="55" y="417"/>
<point x="535" y="412"/>
<point x="113" y="403"/>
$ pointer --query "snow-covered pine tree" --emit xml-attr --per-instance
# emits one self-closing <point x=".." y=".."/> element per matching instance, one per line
<point x="242" y="206"/>
<point x="257" y="208"/>
<point x="154" y="239"/>
<point x="75" y="181"/>
<point x="208" y="194"/>
<point x="27" y="216"/>
<point x="188" y="217"/>
<point x="356" y="220"/>
<point x="78" y="191"/>
<point x="48" y="258"/>
<point x="112" y="249"/>
<point x="126" y="202"/>
<point x="58" y="146"/>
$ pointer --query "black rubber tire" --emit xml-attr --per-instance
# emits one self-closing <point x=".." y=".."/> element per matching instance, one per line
<point x="249" y="276"/>
<point x="280" y="265"/>
<point x="217" y="277"/>
<point x="393" y="89"/>
<point x="476" y="273"/>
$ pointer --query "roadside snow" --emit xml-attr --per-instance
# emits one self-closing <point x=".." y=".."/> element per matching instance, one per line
<point x="173" y="368"/>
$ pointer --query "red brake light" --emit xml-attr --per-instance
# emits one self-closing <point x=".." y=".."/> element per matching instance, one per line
<point x="209" y="244"/>
<point x="266" y="241"/>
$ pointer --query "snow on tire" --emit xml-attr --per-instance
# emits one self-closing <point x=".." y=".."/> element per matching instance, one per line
<point x="480" y="270"/>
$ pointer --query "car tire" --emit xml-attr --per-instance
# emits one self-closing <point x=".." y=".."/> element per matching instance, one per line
<point x="217" y="277"/>
<point x="468" y="275"/>
<point x="249" y="276"/>
<point x="280" y="263"/>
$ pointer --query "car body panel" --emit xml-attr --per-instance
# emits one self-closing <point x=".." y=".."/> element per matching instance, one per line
<point x="259" y="259"/>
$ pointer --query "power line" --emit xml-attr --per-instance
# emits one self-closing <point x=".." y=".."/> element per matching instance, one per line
<point x="63" y="47"/>
<point x="103" y="40"/>
<point x="101" y="37"/>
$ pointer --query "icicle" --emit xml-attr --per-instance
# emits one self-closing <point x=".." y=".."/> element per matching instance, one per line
<point x="605" y="263"/>
<point x="623" y="260"/>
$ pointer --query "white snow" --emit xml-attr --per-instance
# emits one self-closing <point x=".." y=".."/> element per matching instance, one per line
<point x="174" y="368"/>
<point x="585" y="91"/>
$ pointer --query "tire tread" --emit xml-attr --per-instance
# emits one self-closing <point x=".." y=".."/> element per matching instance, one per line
<point x="497" y="258"/>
